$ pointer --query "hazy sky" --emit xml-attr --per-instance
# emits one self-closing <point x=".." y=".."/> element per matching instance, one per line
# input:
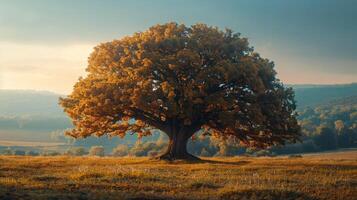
<point x="44" y="44"/>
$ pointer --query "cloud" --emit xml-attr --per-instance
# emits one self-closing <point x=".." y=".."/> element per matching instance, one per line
<point x="42" y="67"/>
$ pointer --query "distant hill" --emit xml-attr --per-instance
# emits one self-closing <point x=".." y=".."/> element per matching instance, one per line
<point x="29" y="103"/>
<point x="43" y="103"/>
<point x="32" y="115"/>
<point x="313" y="95"/>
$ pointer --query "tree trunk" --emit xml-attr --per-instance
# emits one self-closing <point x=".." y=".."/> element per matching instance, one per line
<point x="177" y="148"/>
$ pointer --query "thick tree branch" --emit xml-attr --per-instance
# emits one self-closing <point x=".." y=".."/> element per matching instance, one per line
<point x="149" y="119"/>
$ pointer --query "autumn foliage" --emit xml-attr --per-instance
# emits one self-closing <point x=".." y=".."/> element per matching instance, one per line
<point x="181" y="80"/>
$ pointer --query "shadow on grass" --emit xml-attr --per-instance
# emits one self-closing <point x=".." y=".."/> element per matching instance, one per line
<point x="70" y="193"/>
<point x="241" y="162"/>
<point x="204" y="161"/>
<point x="266" y="195"/>
<point x="10" y="193"/>
<point x="17" y="192"/>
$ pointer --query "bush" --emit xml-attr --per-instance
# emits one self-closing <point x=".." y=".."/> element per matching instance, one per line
<point x="120" y="150"/>
<point x="209" y="146"/>
<point x="263" y="153"/>
<point x="8" y="152"/>
<point x="205" y="153"/>
<point x="76" y="151"/>
<point x="50" y="153"/>
<point x="143" y="149"/>
<point x="153" y="153"/>
<point x="96" y="151"/>
<point x="31" y="153"/>
<point x="306" y="147"/>
<point x="326" y="138"/>
<point x="19" y="152"/>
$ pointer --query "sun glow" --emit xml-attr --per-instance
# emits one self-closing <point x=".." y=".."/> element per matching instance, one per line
<point x="42" y="67"/>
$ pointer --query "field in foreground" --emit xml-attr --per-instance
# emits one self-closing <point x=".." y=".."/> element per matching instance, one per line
<point x="311" y="177"/>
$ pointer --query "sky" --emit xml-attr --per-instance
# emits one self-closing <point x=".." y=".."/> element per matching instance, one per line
<point x="44" y="44"/>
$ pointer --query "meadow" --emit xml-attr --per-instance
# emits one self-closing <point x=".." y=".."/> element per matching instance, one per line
<point x="314" y="176"/>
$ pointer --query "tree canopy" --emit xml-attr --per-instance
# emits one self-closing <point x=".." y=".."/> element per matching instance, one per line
<point x="181" y="80"/>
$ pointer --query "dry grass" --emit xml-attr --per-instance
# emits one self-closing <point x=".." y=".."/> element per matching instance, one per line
<point x="310" y="177"/>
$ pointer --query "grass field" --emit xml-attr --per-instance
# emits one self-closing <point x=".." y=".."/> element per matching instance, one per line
<point x="332" y="176"/>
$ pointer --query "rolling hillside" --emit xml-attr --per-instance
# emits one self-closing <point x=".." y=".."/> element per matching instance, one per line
<point x="312" y="95"/>
<point x="29" y="103"/>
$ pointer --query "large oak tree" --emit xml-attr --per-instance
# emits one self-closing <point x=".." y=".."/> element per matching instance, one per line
<point x="181" y="80"/>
